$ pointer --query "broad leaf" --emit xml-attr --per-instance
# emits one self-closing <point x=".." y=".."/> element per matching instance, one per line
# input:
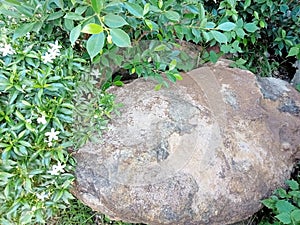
<point x="284" y="218"/>
<point x="92" y="28"/>
<point x="227" y="26"/>
<point x="96" y="5"/>
<point x="218" y="36"/>
<point x="294" y="185"/>
<point x="23" y="30"/>
<point x="114" y="21"/>
<point x="74" y="34"/>
<point x="73" y="16"/>
<point x="134" y="9"/>
<point x="250" y="27"/>
<point x="120" y="38"/>
<point x="55" y="15"/>
<point x="294" y="51"/>
<point x="296" y="215"/>
<point x="172" y="15"/>
<point x="172" y="64"/>
<point x="247" y="4"/>
<point x="146" y="9"/>
<point x="284" y="206"/>
<point x="213" y="56"/>
<point x="95" y="44"/>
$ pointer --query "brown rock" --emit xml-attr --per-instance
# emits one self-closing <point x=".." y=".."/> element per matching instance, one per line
<point x="204" y="151"/>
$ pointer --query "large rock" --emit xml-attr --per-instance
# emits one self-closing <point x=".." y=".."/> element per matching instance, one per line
<point x="204" y="151"/>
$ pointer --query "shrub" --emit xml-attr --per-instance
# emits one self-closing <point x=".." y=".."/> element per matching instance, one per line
<point x="38" y="79"/>
<point x="285" y="205"/>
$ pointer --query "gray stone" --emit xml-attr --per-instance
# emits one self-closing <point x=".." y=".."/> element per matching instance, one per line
<point x="206" y="150"/>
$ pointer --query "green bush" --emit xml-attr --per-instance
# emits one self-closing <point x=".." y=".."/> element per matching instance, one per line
<point x="39" y="76"/>
<point x="285" y="205"/>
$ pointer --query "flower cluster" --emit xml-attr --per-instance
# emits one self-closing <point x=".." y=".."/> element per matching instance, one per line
<point x="42" y="196"/>
<point x="57" y="168"/>
<point x="6" y="49"/>
<point x="52" y="53"/>
<point x="52" y="135"/>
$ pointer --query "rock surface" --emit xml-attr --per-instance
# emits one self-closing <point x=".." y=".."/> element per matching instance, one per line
<point x="204" y="151"/>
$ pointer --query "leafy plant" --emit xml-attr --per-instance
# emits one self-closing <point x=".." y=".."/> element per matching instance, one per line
<point x="275" y="31"/>
<point x="38" y="79"/>
<point x="285" y="205"/>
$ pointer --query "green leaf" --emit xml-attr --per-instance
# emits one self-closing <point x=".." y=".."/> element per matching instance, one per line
<point x="284" y="206"/>
<point x="146" y="9"/>
<point x="73" y="16"/>
<point x="26" y="217"/>
<point x="202" y="12"/>
<point x="172" y="15"/>
<point x="294" y="51"/>
<point x="247" y="4"/>
<point x="92" y="28"/>
<point x="96" y="5"/>
<point x="213" y="56"/>
<point x="171" y="77"/>
<point x="227" y="26"/>
<point x="210" y="25"/>
<point x="160" y="48"/>
<point x="134" y="9"/>
<point x="74" y="34"/>
<point x="114" y="21"/>
<point x="120" y="38"/>
<point x="295" y="215"/>
<point x="149" y="24"/>
<point x="25" y="143"/>
<point x="95" y="44"/>
<point x="284" y="218"/>
<point x="19" y="115"/>
<point x="118" y="83"/>
<point x="294" y="185"/>
<point x="23" y="30"/>
<point x="177" y="76"/>
<point x="55" y="15"/>
<point x="269" y="203"/>
<point x="250" y="27"/>
<point x="218" y="36"/>
<point x="172" y="64"/>
<point x="240" y="32"/>
<point x="157" y="87"/>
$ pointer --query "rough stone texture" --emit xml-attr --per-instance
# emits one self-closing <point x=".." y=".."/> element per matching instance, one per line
<point x="204" y="151"/>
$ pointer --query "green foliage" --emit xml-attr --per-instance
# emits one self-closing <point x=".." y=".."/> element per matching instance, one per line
<point x="39" y="76"/>
<point x="57" y="58"/>
<point x="285" y="205"/>
<point x="274" y="27"/>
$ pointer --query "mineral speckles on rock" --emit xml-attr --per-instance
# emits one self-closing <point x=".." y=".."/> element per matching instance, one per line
<point x="205" y="151"/>
<point x="229" y="96"/>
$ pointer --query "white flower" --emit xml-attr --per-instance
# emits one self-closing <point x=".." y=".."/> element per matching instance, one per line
<point x="52" y="134"/>
<point x="95" y="72"/>
<point x="57" y="168"/>
<point x="6" y="49"/>
<point x="47" y="58"/>
<point x="42" y="120"/>
<point x="28" y="35"/>
<point x="42" y="196"/>
<point x="52" y="53"/>
<point x="50" y="144"/>
<point x="54" y="47"/>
